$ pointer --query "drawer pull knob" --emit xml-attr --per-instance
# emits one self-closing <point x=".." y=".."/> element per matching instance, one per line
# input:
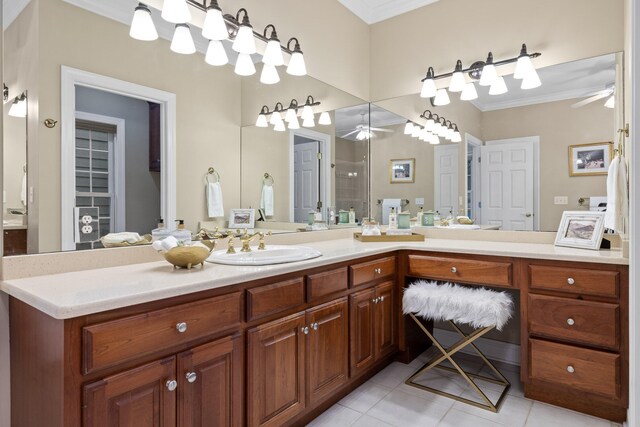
<point x="181" y="327"/>
<point x="382" y="298"/>
<point x="315" y="326"/>
<point x="191" y="377"/>
<point x="571" y="281"/>
<point x="454" y="270"/>
<point x="375" y="300"/>
<point x="171" y="385"/>
<point x="571" y="369"/>
<point x="570" y="321"/>
<point x="378" y="271"/>
<point x="305" y="330"/>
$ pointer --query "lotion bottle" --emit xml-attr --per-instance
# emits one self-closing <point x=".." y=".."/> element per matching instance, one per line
<point x="161" y="232"/>
<point x="352" y="216"/>
<point x="393" y="219"/>
<point x="181" y="234"/>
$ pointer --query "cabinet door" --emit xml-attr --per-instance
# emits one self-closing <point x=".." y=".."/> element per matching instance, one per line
<point x="328" y="350"/>
<point x="276" y="371"/>
<point x="139" y="397"/>
<point x="210" y="384"/>
<point x="362" y="327"/>
<point x="385" y="320"/>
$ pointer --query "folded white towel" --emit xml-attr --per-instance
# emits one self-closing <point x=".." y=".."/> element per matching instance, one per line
<point x="617" y="195"/>
<point x="124" y="237"/>
<point x="157" y="245"/>
<point x="214" y="200"/>
<point x="23" y="190"/>
<point x="266" y="201"/>
<point x="168" y="243"/>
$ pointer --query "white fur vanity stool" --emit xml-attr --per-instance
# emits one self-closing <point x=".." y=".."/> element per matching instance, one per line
<point x="480" y="308"/>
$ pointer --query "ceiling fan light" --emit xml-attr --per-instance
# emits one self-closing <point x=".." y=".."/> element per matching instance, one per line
<point x="142" y="27"/>
<point x="498" y="87"/>
<point x="273" y="53"/>
<point x="244" y="65"/>
<point x="214" y="27"/>
<point x="176" y="11"/>
<point x="611" y="102"/>
<point x="216" y="55"/>
<point x="262" y="121"/>
<point x="469" y="92"/>
<point x="531" y="81"/>
<point x="408" y="127"/>
<point x="182" y="42"/>
<point x="294" y="124"/>
<point x="244" y="42"/>
<point x="442" y="98"/>
<point x="308" y="122"/>
<point x="307" y="112"/>
<point x="279" y="127"/>
<point x="325" y="118"/>
<point x="433" y="139"/>
<point x="269" y="75"/>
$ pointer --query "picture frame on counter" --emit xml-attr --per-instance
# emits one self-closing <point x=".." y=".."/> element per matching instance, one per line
<point x="581" y="229"/>
<point x="402" y="171"/>
<point x="242" y="218"/>
<point x="590" y="159"/>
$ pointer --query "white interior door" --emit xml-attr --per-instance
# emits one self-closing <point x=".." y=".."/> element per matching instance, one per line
<point x="508" y="186"/>
<point x="306" y="171"/>
<point x="445" y="169"/>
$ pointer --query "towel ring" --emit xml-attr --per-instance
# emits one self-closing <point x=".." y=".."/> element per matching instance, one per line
<point x="212" y="173"/>
<point x="268" y="179"/>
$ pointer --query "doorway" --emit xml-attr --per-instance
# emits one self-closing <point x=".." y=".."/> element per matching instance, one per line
<point x="445" y="158"/>
<point x="473" y="187"/>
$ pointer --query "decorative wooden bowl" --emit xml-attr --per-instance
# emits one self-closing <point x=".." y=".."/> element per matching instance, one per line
<point x="188" y="256"/>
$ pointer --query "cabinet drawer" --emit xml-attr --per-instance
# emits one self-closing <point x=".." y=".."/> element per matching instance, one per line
<point x="372" y="270"/>
<point x="265" y="300"/>
<point x="109" y="343"/>
<point x="327" y="282"/>
<point x="567" y="319"/>
<point x="577" y="368"/>
<point x="461" y="270"/>
<point x="575" y="280"/>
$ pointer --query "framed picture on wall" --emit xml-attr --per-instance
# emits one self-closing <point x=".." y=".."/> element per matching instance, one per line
<point x="402" y="171"/>
<point x="590" y="159"/>
<point x="581" y="229"/>
<point x="242" y="218"/>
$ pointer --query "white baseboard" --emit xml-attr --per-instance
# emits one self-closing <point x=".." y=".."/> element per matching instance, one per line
<point x="494" y="350"/>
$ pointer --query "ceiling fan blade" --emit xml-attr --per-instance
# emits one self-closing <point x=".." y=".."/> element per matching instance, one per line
<point x="590" y="99"/>
<point x="381" y="129"/>
<point x="350" y="133"/>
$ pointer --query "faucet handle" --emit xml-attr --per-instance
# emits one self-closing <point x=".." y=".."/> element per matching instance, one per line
<point x="230" y="248"/>
<point x="261" y="242"/>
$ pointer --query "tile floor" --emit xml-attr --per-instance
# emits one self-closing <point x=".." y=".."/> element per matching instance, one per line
<point x="385" y="400"/>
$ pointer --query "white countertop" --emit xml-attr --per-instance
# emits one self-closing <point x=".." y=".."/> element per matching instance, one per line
<point x="68" y="295"/>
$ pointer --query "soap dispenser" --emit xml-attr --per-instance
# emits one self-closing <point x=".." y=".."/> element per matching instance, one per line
<point x="181" y="234"/>
<point x="420" y="215"/>
<point x="393" y="218"/>
<point x="161" y="232"/>
<point x="352" y="215"/>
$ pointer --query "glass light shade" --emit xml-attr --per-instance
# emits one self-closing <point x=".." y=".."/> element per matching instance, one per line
<point x="269" y="75"/>
<point x="294" y="124"/>
<point x="214" y="27"/>
<point x="182" y="41"/>
<point x="531" y="81"/>
<point x="279" y="127"/>
<point x="437" y="128"/>
<point x="441" y="131"/>
<point x="611" y="102"/>
<point x="307" y="112"/>
<point x="362" y="135"/>
<point x="456" y="137"/>
<point x="216" y="55"/>
<point x="325" y="118"/>
<point x="176" y="11"/>
<point x="262" y="121"/>
<point x="489" y="75"/>
<point x="524" y="68"/>
<point x="424" y="135"/>
<point x="273" y="54"/>
<point x="430" y="124"/>
<point x="448" y="134"/>
<point x="433" y="139"/>
<point x="244" y="65"/>
<point x="442" y="98"/>
<point x="290" y="115"/>
<point x="18" y="108"/>
<point x="308" y="122"/>
<point x="142" y="27"/>
<point x="244" y="42"/>
<point x="296" y="65"/>
<point x="469" y="92"/>
<point x="275" y="118"/>
<point x="498" y="87"/>
<point x="457" y="82"/>
<point x="428" y="89"/>
<point x="408" y="128"/>
<point x="415" y="132"/>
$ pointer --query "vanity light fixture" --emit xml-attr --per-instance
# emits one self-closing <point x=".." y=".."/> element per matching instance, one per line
<point x="279" y="127"/>
<point x="498" y="87"/>
<point x="291" y="116"/>
<point x="488" y="73"/>
<point x="294" y="123"/>
<point x="408" y="127"/>
<point x="216" y="55"/>
<point x="611" y="102"/>
<point x="244" y="65"/>
<point x="5" y="92"/>
<point x="273" y="51"/>
<point x="428" y="85"/>
<point x="438" y="126"/>
<point x="415" y="131"/>
<point x="182" y="42"/>
<point x="456" y="134"/>
<point x="441" y="98"/>
<point x="297" y="66"/>
<point x="262" y="121"/>
<point x="457" y="79"/>
<point x="244" y="42"/>
<point x="292" y="111"/>
<point x="307" y="109"/>
<point x="142" y="27"/>
<point x="176" y="11"/>
<point x="275" y="114"/>
<point x="214" y="27"/>
<point x="309" y="122"/>
<point x="469" y="92"/>
<point x="19" y="106"/>
<point x="325" y="118"/>
<point x="269" y="75"/>
<point x="433" y="139"/>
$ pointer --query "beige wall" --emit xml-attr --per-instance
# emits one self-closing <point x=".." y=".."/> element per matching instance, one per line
<point x="403" y="47"/>
<point x="5" y="368"/>
<point x="558" y="126"/>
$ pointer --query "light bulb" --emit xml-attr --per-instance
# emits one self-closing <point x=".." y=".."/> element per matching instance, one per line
<point x="273" y="53"/>
<point x="498" y="87"/>
<point x="176" y="11"/>
<point x="469" y="92"/>
<point x="611" y="102"/>
<point x="142" y="27"/>
<point x="275" y="118"/>
<point x="489" y="74"/>
<point x="415" y="132"/>
<point x="457" y="79"/>
<point x="19" y="107"/>
<point x="442" y="98"/>
<point x="531" y="81"/>
<point x="279" y="127"/>
<point x="307" y="112"/>
<point x="308" y="122"/>
<point x="216" y="55"/>
<point x="269" y="75"/>
<point x="290" y="114"/>
<point x="214" y="27"/>
<point x="296" y="65"/>
<point x="408" y="128"/>
<point x="325" y="118"/>
<point x="294" y="124"/>
<point x="182" y="41"/>
<point x="262" y="121"/>
<point x="244" y="65"/>
<point x="244" y="42"/>
<point x="433" y="139"/>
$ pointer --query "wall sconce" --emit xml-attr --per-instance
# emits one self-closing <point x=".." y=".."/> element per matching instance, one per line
<point x="19" y="106"/>
<point x="435" y="127"/>
<point x="5" y="92"/>
<point x="291" y="115"/>
<point x="487" y="75"/>
<point x="216" y="28"/>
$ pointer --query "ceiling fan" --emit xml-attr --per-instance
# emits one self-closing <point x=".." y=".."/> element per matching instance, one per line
<point x="364" y="131"/>
<point x="608" y="92"/>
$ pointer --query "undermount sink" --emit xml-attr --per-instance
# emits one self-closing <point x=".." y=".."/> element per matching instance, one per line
<point x="462" y="226"/>
<point x="273" y="254"/>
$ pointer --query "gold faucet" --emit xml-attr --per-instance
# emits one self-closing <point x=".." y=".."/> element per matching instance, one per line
<point x="230" y="248"/>
<point x="247" y="238"/>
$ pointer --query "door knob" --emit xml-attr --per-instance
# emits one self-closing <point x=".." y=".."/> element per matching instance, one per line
<point x="171" y="385"/>
<point x="191" y="377"/>
<point x="528" y="215"/>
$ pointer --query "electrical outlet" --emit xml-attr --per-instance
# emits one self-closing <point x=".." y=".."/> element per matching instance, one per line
<point x="86" y="225"/>
<point x="419" y="201"/>
<point x="561" y="200"/>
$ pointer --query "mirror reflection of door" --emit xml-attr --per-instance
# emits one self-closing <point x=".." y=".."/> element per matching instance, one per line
<point x="446" y="179"/>
<point x="306" y="172"/>
<point x="473" y="187"/>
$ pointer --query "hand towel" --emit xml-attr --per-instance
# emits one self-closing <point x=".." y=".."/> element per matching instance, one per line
<point x="214" y="200"/>
<point x="617" y="195"/>
<point x="23" y="191"/>
<point x="124" y="237"/>
<point x="168" y="243"/>
<point x="266" y="201"/>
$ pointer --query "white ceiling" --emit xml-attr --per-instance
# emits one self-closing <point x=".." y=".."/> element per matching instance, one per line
<point x="372" y="11"/>
<point x="346" y="119"/>
<point x="11" y="9"/>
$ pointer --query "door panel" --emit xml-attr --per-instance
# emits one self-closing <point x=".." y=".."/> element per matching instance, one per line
<point x="362" y="330"/>
<point x="385" y="324"/>
<point x="306" y="172"/>
<point x="446" y="179"/>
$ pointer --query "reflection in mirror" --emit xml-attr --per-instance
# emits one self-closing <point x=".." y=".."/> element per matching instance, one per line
<point x="512" y="168"/>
